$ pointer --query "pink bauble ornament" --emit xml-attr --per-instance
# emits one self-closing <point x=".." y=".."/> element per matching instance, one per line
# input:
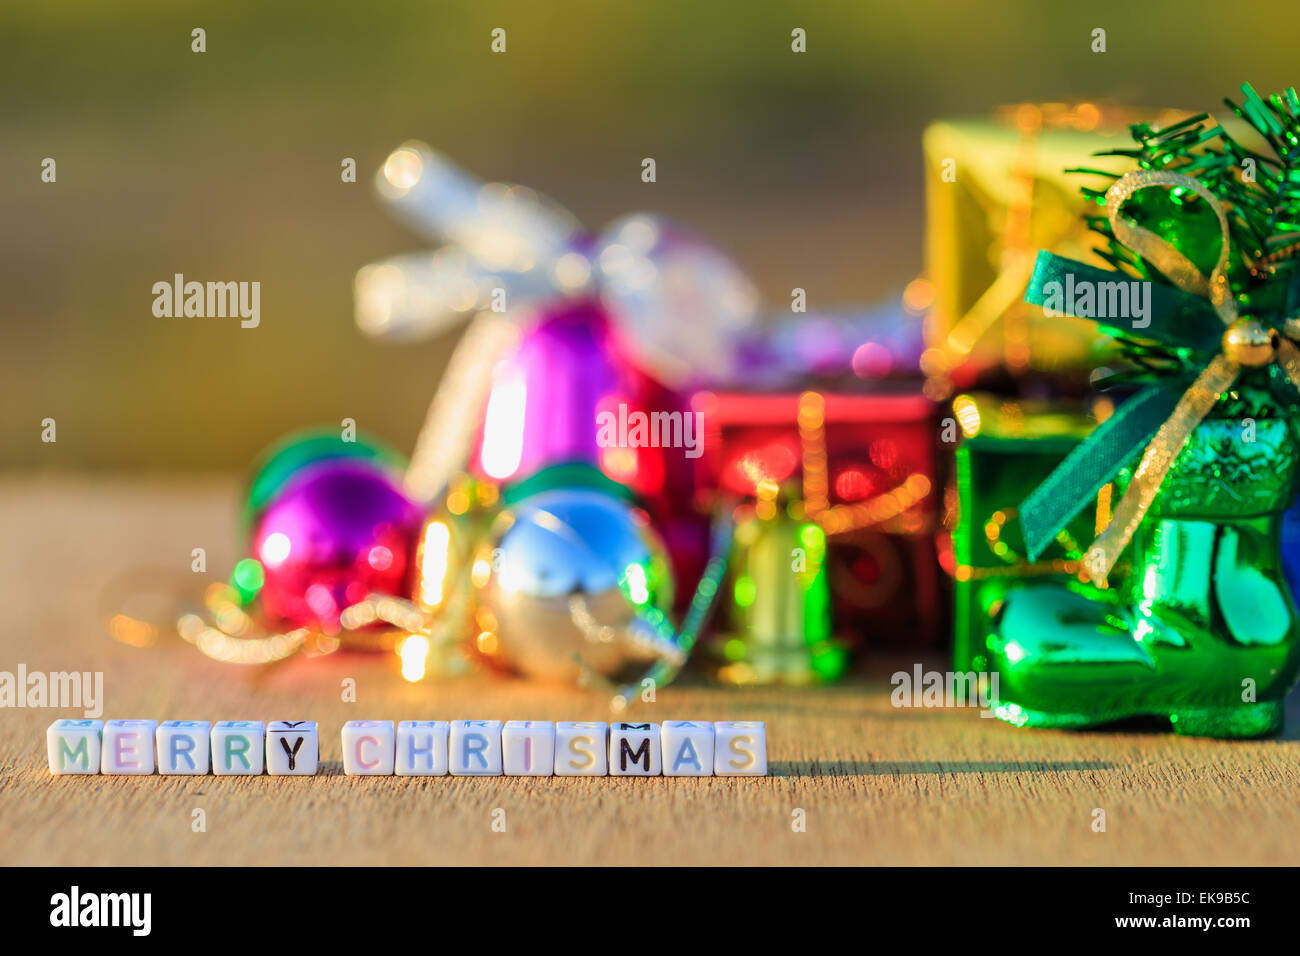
<point x="338" y="531"/>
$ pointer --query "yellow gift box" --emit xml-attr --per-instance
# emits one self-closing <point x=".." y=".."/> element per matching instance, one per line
<point x="996" y="193"/>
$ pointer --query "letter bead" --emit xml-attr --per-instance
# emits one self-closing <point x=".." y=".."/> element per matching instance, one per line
<point x="740" y="748"/>
<point x="184" y="746"/>
<point x="634" y="750"/>
<point x="368" y="747"/>
<point x="292" y="748"/>
<point x="581" y="748"/>
<point x="475" y="748"/>
<point x="688" y="748"/>
<point x="128" y="747"/>
<point x="422" y="748"/>
<point x="72" y="746"/>
<point x="238" y="748"/>
<point x="528" y="748"/>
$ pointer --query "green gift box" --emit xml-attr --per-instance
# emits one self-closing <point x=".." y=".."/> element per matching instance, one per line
<point x="1007" y="449"/>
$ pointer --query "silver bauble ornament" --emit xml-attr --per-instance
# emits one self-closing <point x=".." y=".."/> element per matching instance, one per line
<point x="574" y="582"/>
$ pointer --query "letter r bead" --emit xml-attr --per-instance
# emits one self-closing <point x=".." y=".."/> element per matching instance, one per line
<point x="475" y="748"/>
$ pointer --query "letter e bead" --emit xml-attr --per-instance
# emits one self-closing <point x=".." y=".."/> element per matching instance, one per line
<point x="128" y="747"/>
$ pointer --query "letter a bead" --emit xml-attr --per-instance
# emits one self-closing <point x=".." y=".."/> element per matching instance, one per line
<point x="688" y="748"/>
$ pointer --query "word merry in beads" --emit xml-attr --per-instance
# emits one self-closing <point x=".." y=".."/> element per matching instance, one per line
<point x="523" y="748"/>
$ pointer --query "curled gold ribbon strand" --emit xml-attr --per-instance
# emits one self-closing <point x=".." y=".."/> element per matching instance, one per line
<point x="1288" y="359"/>
<point x="1156" y="461"/>
<point x="1213" y="381"/>
<point x="1175" y="266"/>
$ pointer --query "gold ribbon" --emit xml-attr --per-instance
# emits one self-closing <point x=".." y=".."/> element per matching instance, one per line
<point x="1246" y="342"/>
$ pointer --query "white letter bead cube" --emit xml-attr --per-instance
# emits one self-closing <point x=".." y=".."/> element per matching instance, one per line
<point x="580" y="748"/>
<point x="634" y="750"/>
<point x="474" y="748"/>
<point x="688" y="748"/>
<point x="184" y="746"/>
<point x="739" y="748"/>
<point x="238" y="748"/>
<point x="73" y="745"/>
<point x="422" y="748"/>
<point x="292" y="748"/>
<point x="127" y="747"/>
<point x="368" y="747"/>
<point x="528" y="748"/>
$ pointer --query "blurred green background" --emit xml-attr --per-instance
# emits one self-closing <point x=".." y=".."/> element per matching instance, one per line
<point x="225" y="166"/>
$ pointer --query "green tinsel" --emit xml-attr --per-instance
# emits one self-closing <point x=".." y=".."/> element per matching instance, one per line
<point x="1261" y="193"/>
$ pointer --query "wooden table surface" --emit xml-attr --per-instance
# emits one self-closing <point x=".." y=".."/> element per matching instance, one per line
<point x="879" y="785"/>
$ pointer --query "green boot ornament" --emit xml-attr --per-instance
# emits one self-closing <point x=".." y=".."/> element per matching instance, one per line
<point x="1205" y="631"/>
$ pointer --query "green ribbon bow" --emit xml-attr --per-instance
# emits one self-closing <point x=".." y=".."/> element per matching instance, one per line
<point x="1196" y="315"/>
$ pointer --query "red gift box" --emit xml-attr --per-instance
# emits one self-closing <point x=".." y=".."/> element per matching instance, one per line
<point x="867" y="467"/>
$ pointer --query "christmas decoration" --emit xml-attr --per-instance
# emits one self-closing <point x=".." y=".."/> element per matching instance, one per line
<point x="332" y="542"/>
<point x="289" y="455"/>
<point x="995" y="194"/>
<point x="337" y="531"/>
<point x="866" y="467"/>
<point x="1205" y="452"/>
<point x="643" y="298"/>
<point x="777" y="626"/>
<point x="565" y="580"/>
<point x="408" y="748"/>
<point x="560" y="449"/>
<point x="879" y="344"/>
<point x="575" y="580"/>
<point x="1007" y="448"/>
<point x="564" y="327"/>
<point x="570" y="329"/>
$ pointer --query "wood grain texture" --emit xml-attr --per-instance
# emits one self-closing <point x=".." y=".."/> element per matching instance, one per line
<point x="880" y="785"/>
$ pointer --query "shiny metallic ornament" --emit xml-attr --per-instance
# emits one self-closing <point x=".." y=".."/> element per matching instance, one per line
<point x="1248" y="342"/>
<point x="573" y="582"/>
<point x="777" y="627"/>
<point x="337" y="532"/>
<point x="288" y="456"/>
<point x="1205" y="632"/>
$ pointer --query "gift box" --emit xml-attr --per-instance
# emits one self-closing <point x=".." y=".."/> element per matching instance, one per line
<point x="1007" y="449"/>
<point x="865" y="468"/>
<point x="997" y="192"/>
